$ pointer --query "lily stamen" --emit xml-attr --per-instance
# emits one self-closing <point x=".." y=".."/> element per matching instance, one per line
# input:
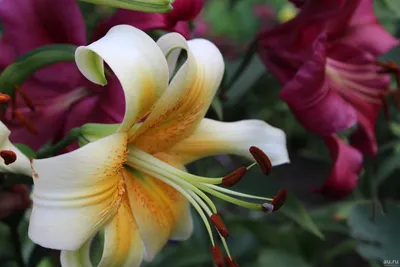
<point x="4" y="99"/>
<point x="219" y="224"/>
<point x="262" y="159"/>
<point x="8" y="156"/>
<point x="28" y="101"/>
<point x="230" y="262"/>
<point x="29" y="125"/>
<point x="194" y="187"/>
<point x="217" y="256"/>
<point x="234" y="177"/>
<point x="279" y="199"/>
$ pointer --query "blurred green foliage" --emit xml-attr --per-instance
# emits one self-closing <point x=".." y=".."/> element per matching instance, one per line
<point x="309" y="231"/>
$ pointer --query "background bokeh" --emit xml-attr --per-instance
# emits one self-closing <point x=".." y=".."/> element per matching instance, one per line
<point x="310" y="230"/>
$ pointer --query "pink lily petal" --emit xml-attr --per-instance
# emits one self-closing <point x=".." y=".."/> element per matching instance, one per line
<point x="308" y="94"/>
<point x="348" y="163"/>
<point x="31" y="24"/>
<point x="174" y="21"/>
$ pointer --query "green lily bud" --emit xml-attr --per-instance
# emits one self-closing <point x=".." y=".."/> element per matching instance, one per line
<point x="154" y="6"/>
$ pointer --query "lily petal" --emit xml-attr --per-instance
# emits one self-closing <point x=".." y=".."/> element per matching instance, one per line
<point x="213" y="137"/>
<point x="78" y="258"/>
<point x="348" y="163"/>
<point x="315" y="104"/>
<point x="123" y="245"/>
<point x="76" y="193"/>
<point x="188" y="97"/>
<point x="138" y="63"/>
<point x="157" y="209"/>
<point x="21" y="165"/>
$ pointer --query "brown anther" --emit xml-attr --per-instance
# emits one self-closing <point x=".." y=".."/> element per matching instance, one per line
<point x="8" y="156"/>
<point x="230" y="262"/>
<point x="217" y="256"/>
<point x="262" y="159"/>
<point x="28" y="101"/>
<point x="31" y="128"/>
<point x="386" y="108"/>
<point x="4" y="99"/>
<point x="219" y="224"/>
<point x="279" y="199"/>
<point x="234" y="177"/>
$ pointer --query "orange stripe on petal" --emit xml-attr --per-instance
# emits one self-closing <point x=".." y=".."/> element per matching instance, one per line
<point x="157" y="209"/>
<point x="123" y="245"/>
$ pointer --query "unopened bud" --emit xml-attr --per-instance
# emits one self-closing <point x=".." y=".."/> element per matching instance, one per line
<point x="184" y="10"/>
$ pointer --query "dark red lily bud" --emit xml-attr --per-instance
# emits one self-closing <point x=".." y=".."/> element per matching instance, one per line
<point x="234" y="177"/>
<point x="8" y="156"/>
<point x="217" y="256"/>
<point x="4" y="99"/>
<point x="262" y="159"/>
<point x="279" y="199"/>
<point x="230" y="262"/>
<point x="184" y="10"/>
<point x="219" y="224"/>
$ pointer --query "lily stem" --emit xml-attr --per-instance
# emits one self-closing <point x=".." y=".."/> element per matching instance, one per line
<point x="17" y="246"/>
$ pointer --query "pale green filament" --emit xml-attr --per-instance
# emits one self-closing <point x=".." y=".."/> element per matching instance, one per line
<point x="232" y="200"/>
<point x="234" y="193"/>
<point x="192" y="201"/>
<point x="154" y="169"/>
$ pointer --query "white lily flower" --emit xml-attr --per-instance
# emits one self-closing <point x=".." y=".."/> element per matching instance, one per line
<point x="132" y="182"/>
<point x="13" y="160"/>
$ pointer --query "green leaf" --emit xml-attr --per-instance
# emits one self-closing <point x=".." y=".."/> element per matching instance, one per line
<point x="26" y="65"/>
<point x="155" y="6"/>
<point x="250" y="75"/>
<point x="26" y="150"/>
<point x="387" y="167"/>
<point x="278" y="258"/>
<point x="294" y="210"/>
<point x="378" y="239"/>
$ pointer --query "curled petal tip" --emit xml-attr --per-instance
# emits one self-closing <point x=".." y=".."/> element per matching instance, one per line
<point x="262" y="159"/>
<point x="217" y="256"/>
<point x="8" y="156"/>
<point x="219" y="224"/>
<point x="230" y="262"/>
<point x="279" y="199"/>
<point x="234" y="177"/>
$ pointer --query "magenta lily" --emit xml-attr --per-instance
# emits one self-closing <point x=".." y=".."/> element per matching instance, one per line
<point x="61" y="96"/>
<point x="326" y="60"/>
<point x="343" y="177"/>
